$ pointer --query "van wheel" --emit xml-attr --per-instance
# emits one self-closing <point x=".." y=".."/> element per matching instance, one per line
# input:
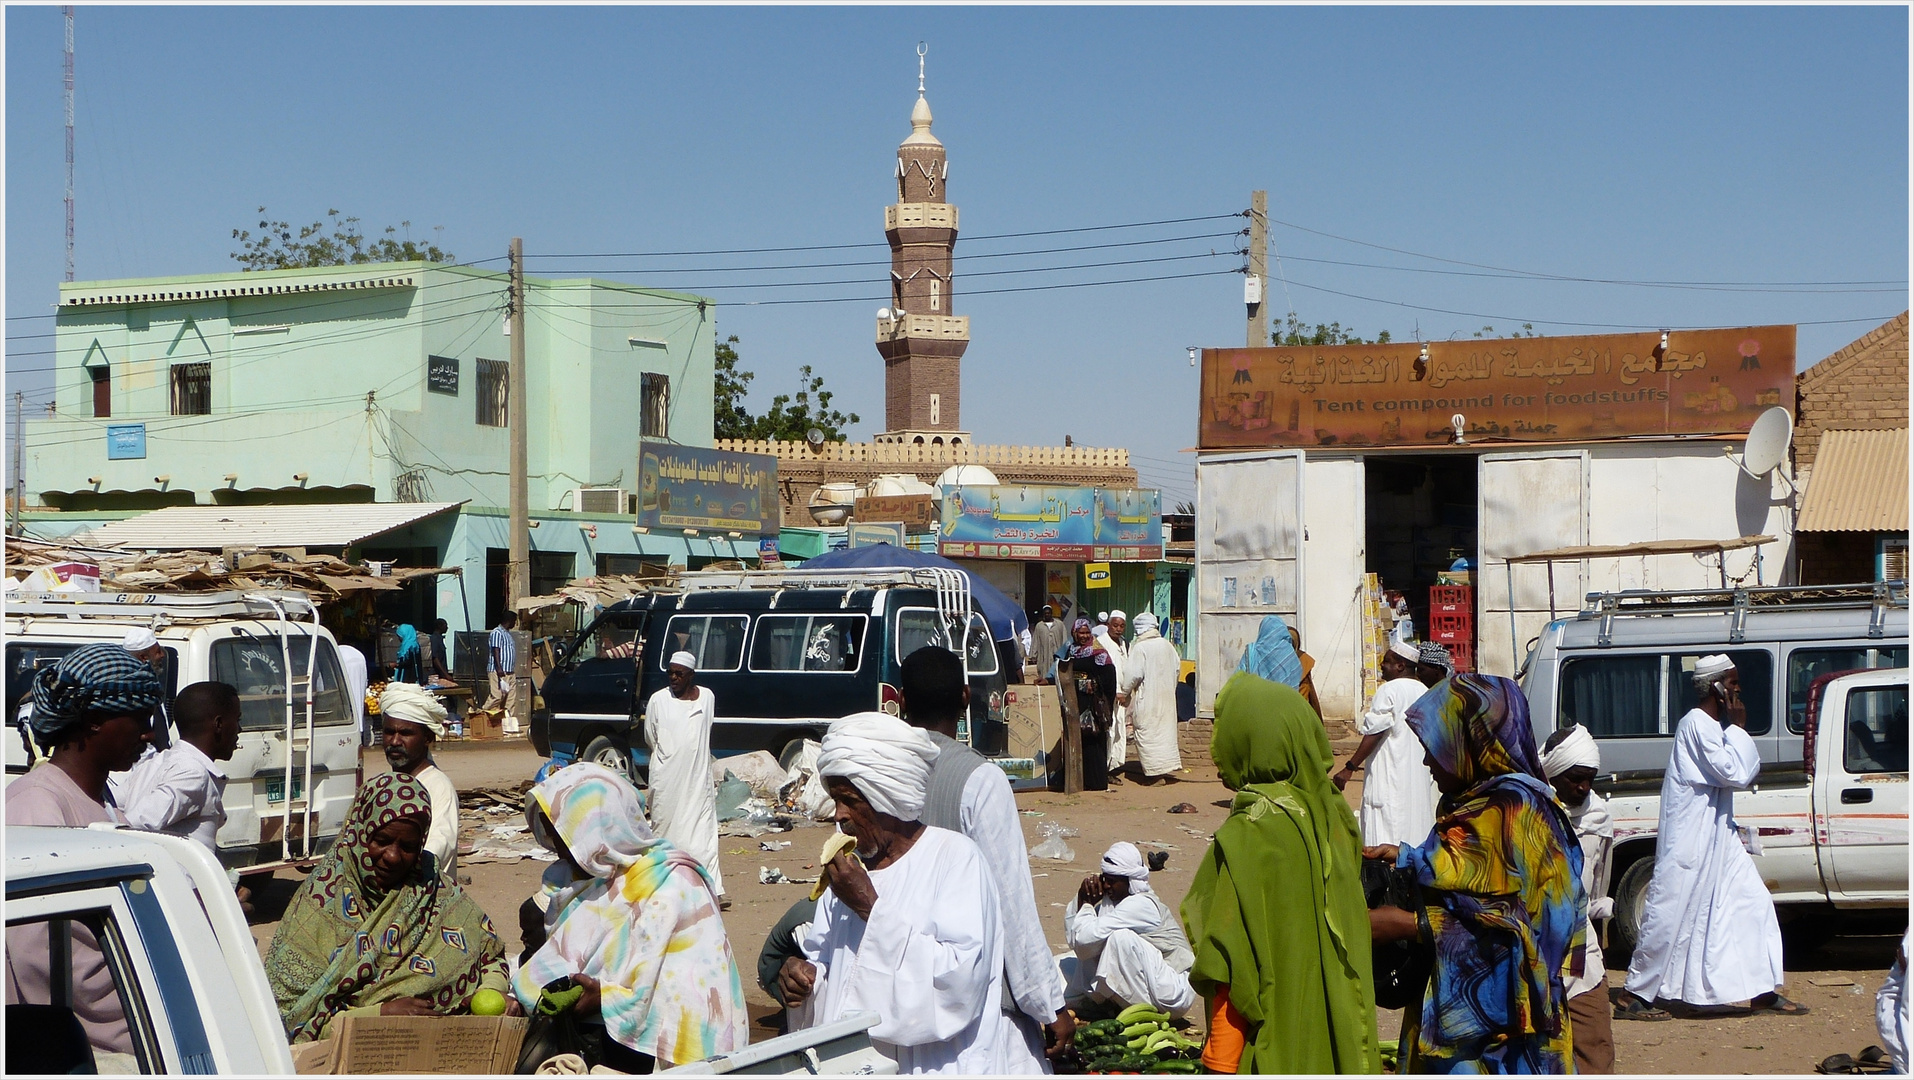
<point x="609" y="754"/>
<point x="789" y="755"/>
<point x="1631" y="898"/>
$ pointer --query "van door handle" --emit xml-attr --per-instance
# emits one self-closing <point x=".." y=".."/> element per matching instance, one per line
<point x="1856" y="795"/>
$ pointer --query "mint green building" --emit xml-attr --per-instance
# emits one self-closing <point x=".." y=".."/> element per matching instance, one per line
<point x="381" y="383"/>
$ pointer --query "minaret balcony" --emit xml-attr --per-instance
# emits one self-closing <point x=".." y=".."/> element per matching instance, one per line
<point x="925" y="327"/>
<point x="920" y="215"/>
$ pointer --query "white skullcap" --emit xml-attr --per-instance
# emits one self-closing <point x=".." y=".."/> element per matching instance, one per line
<point x="1145" y="621"/>
<point x="1576" y="750"/>
<point x="414" y="704"/>
<point x="139" y="639"/>
<point x="1103" y="616"/>
<point x="1710" y="666"/>
<point x="887" y="760"/>
<point x="683" y="659"/>
<point x="1124" y="860"/>
<point x="1119" y="615"/>
<point x="1406" y="651"/>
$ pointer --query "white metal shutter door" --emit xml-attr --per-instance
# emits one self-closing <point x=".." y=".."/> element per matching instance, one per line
<point x="1527" y="503"/>
<point x="1248" y="556"/>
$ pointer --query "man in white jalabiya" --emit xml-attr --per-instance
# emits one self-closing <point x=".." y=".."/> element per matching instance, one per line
<point x="1398" y="794"/>
<point x="682" y="801"/>
<point x="1129" y="947"/>
<point x="1709" y="937"/>
<point x="1571" y="760"/>
<point x="411" y="720"/>
<point x="969" y="795"/>
<point x="1111" y="638"/>
<point x="909" y="926"/>
<point x="1153" y="668"/>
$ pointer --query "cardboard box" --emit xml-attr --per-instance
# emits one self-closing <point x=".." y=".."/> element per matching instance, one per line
<point x="485" y="724"/>
<point x="465" y="1045"/>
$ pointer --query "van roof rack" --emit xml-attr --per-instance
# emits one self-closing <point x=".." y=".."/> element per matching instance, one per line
<point x="156" y="608"/>
<point x="1879" y="595"/>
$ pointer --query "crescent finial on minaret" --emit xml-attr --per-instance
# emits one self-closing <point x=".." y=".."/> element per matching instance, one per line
<point x="920" y="66"/>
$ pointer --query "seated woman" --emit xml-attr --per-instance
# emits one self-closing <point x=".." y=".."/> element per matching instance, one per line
<point x="637" y="926"/>
<point x="1501" y="878"/>
<point x="1275" y="912"/>
<point x="375" y="930"/>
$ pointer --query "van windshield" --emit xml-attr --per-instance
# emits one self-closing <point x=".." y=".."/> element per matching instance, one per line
<point x="255" y="666"/>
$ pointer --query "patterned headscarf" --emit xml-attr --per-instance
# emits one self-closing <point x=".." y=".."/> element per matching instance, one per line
<point x="1477" y="728"/>
<point x="598" y="817"/>
<point x="1272" y="656"/>
<point x="94" y="678"/>
<point x="1436" y="656"/>
<point x="345" y="942"/>
<point x="1094" y="650"/>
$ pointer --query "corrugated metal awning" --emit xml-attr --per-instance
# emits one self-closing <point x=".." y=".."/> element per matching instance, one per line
<point x="1859" y="483"/>
<point x="210" y="528"/>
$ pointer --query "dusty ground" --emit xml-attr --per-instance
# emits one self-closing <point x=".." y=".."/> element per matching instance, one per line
<point x="1838" y="980"/>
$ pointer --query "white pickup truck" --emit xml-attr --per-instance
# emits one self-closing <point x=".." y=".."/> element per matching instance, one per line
<point x="188" y="977"/>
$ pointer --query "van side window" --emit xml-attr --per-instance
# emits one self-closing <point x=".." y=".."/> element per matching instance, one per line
<point x="1876" y="739"/>
<point x="255" y="666"/>
<point x="716" y="640"/>
<point x="69" y="980"/>
<point x="918" y="627"/>
<point x="610" y="639"/>
<point x="808" y="643"/>
<point x="1807" y="665"/>
<point x="1756" y="668"/>
<point x="1613" y="696"/>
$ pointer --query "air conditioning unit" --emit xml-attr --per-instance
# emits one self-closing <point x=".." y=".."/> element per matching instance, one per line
<point x="600" y="500"/>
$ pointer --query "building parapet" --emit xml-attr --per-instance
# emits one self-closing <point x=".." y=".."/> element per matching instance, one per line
<point x="1069" y="457"/>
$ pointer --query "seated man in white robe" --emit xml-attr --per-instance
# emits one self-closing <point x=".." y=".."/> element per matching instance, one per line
<point x="1130" y="950"/>
<point x="910" y="925"/>
<point x="1709" y="937"/>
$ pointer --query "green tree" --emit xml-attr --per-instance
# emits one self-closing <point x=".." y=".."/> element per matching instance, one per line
<point x="276" y="246"/>
<point x="1528" y="330"/>
<point x="1292" y="332"/>
<point x="790" y="417"/>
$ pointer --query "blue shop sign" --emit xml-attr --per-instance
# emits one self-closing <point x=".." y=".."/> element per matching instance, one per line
<point x="125" y="442"/>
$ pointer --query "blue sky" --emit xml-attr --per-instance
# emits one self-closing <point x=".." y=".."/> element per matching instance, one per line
<point x="1639" y="144"/>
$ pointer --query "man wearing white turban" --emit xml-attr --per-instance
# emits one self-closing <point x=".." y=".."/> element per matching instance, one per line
<point x="1129" y="947"/>
<point x="1154" y="667"/>
<point x="1709" y="936"/>
<point x="910" y="926"/>
<point x="1571" y="759"/>
<point x="412" y="719"/>
<point x="1110" y="636"/>
<point x="681" y="800"/>
<point x="1398" y="794"/>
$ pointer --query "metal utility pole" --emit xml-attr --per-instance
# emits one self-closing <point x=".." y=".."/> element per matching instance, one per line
<point x="19" y="460"/>
<point x="519" y="574"/>
<point x="68" y="11"/>
<point x="1257" y="283"/>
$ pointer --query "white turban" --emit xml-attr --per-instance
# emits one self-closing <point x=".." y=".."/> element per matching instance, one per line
<point x="887" y="760"/>
<point x="1145" y="621"/>
<point x="1124" y="860"/>
<point x="1576" y="750"/>
<point x="1406" y="651"/>
<point x="413" y="704"/>
<point x="1709" y="667"/>
<point x="683" y="659"/>
<point x="139" y="639"/>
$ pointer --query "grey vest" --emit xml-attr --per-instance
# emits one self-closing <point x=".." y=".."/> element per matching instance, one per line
<point x="944" y="800"/>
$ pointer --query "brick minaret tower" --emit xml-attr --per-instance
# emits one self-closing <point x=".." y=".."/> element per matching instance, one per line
<point x="921" y="342"/>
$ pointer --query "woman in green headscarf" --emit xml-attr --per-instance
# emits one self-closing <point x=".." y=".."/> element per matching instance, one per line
<point x="1276" y="913"/>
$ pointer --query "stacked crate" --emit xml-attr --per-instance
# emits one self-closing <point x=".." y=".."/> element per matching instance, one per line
<point x="1452" y="622"/>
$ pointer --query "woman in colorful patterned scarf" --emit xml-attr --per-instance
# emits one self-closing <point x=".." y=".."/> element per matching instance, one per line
<point x="375" y="930"/>
<point x="1503" y="903"/>
<point x="637" y="926"/>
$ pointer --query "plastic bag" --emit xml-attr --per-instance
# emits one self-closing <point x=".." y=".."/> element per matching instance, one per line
<point x="757" y="768"/>
<point x="1052" y="845"/>
<point x="732" y="795"/>
<point x="804" y="791"/>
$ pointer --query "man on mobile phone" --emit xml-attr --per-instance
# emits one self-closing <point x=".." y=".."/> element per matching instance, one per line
<point x="1709" y="937"/>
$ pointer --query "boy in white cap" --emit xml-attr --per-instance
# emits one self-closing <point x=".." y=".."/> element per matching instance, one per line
<point x="1130" y="948"/>
<point x="1571" y="759"/>
<point x="682" y="801"/>
<point x="1709" y="937"/>
<point x="1398" y="794"/>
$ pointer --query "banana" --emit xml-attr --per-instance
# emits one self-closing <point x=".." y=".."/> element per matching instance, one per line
<point x="1145" y="1027"/>
<point x="837" y="843"/>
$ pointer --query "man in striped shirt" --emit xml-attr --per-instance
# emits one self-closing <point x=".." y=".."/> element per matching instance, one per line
<point x="501" y="661"/>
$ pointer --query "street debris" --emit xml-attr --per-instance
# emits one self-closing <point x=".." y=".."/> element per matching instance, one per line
<point x="1052" y="845"/>
<point x="769" y="876"/>
<point x="774" y="845"/>
<point x="1183" y="808"/>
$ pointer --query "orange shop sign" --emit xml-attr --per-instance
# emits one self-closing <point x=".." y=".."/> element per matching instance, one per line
<point x="1541" y="389"/>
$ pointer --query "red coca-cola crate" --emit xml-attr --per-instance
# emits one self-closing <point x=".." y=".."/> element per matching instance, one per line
<point x="1462" y="655"/>
<point x="1451" y="627"/>
<point x="1452" y="638"/>
<point x="1451" y="594"/>
<point x="1437" y="607"/>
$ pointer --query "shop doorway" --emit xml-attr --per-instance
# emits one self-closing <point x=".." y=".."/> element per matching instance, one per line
<point x="1420" y="514"/>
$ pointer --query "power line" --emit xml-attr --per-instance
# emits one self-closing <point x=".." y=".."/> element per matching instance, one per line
<point x="977" y="273"/>
<point x="868" y="244"/>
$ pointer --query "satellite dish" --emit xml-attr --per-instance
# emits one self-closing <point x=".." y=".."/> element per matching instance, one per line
<point x="815" y="437"/>
<point x="1768" y="442"/>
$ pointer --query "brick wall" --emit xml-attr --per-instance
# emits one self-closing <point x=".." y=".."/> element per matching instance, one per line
<point x="1861" y="387"/>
